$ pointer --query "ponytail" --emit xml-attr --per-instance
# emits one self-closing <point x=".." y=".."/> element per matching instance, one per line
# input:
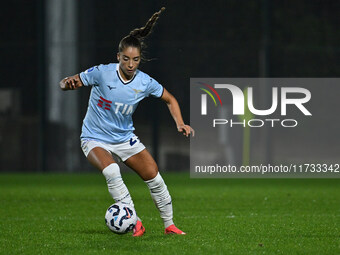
<point x="143" y="32"/>
<point x="136" y="37"/>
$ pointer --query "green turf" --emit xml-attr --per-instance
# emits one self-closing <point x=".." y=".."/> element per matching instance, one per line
<point x="64" y="214"/>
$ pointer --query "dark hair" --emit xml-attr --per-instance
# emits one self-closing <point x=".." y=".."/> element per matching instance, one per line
<point x="136" y="37"/>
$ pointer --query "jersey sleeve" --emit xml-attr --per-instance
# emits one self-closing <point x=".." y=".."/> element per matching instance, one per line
<point x="91" y="76"/>
<point x="155" y="89"/>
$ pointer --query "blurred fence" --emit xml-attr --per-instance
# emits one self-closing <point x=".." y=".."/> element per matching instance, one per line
<point x="192" y="39"/>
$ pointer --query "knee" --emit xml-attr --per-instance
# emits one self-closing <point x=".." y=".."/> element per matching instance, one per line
<point x="151" y="172"/>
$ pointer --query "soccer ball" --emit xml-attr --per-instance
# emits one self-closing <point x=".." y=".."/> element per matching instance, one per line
<point x="121" y="218"/>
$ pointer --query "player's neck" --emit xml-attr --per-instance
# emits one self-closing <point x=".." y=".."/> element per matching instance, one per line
<point x="125" y="77"/>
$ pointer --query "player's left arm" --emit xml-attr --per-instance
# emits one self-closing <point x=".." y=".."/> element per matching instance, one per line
<point x="176" y="114"/>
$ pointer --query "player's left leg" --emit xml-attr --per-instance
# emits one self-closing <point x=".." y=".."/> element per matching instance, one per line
<point x="145" y="166"/>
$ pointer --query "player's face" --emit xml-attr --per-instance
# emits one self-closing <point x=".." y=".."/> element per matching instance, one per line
<point x="129" y="60"/>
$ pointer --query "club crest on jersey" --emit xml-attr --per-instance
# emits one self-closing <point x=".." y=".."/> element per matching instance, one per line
<point x="136" y="92"/>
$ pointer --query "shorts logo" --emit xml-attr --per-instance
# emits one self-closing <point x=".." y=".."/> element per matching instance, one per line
<point x="132" y="141"/>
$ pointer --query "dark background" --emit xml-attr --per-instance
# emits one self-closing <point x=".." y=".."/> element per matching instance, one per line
<point x="192" y="39"/>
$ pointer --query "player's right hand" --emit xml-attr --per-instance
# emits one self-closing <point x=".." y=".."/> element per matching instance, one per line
<point x="70" y="83"/>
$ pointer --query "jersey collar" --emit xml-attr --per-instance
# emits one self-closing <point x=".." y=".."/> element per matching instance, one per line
<point x="121" y="78"/>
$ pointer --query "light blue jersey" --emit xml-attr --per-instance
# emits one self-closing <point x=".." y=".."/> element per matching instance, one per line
<point x="112" y="102"/>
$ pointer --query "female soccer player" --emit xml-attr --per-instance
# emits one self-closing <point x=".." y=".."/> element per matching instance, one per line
<point x="108" y="129"/>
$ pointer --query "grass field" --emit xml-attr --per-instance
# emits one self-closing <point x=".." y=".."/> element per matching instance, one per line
<point x="64" y="214"/>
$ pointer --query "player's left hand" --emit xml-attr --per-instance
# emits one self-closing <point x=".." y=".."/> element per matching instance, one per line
<point x="186" y="130"/>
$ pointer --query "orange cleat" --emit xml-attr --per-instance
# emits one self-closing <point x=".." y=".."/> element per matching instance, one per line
<point x="139" y="229"/>
<point x="173" y="230"/>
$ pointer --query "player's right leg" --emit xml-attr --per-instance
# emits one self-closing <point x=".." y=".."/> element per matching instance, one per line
<point x="101" y="159"/>
<point x="99" y="156"/>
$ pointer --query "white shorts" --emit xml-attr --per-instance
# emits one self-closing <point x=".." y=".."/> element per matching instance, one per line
<point x="122" y="151"/>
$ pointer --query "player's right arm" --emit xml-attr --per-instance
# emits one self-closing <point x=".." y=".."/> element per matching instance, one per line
<point x="71" y="83"/>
